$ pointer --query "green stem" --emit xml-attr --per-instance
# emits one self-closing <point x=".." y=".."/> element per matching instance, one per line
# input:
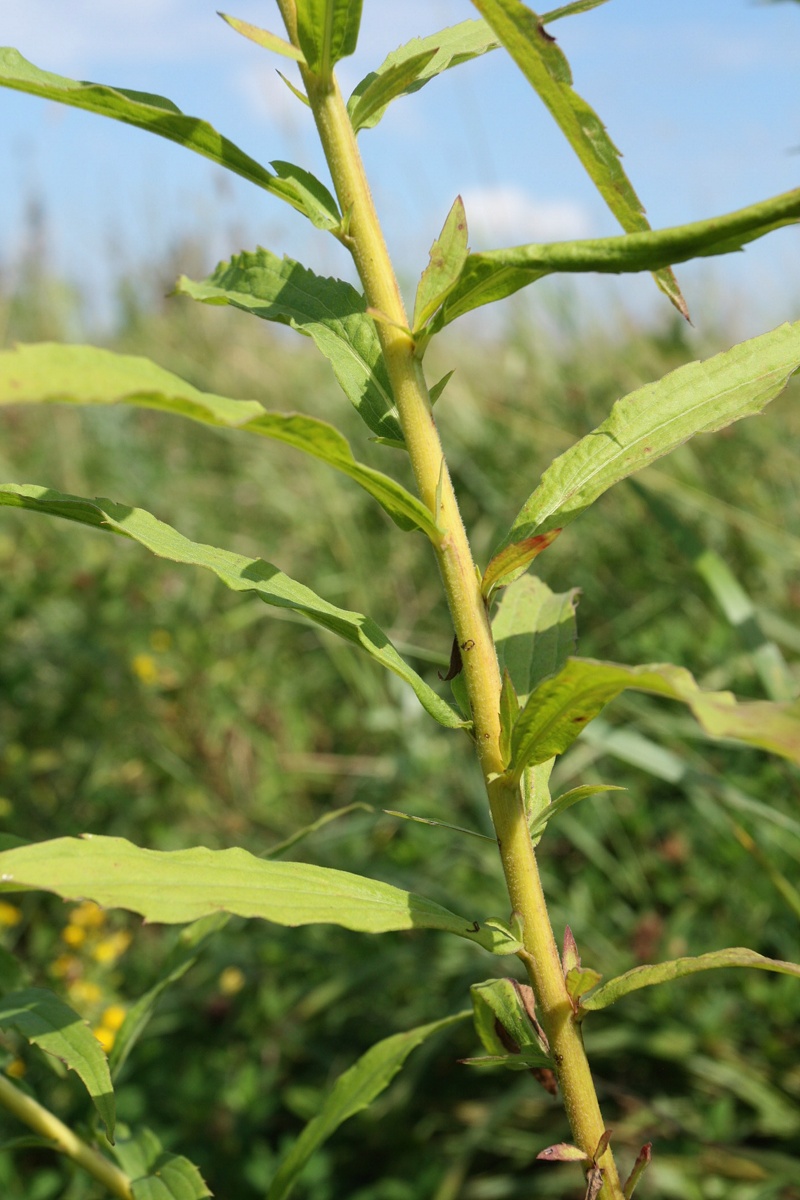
<point x="461" y="579"/>
<point x="43" y="1122"/>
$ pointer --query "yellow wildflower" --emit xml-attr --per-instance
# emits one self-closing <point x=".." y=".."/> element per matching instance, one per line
<point x="231" y="981"/>
<point x="16" y="1068"/>
<point x="105" y="1037"/>
<point x="83" y="991"/>
<point x="113" y="1017"/>
<point x="145" y="669"/>
<point x="73" y="935"/>
<point x="111" y="948"/>
<point x="9" y="914"/>
<point x="88" y="914"/>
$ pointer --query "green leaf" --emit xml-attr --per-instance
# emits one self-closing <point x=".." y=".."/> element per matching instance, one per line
<point x="54" y="373"/>
<point x="641" y="977"/>
<point x="327" y="31"/>
<point x="328" y="310"/>
<point x="504" y="1019"/>
<point x="304" y="192"/>
<point x="414" y="64"/>
<point x="534" y="632"/>
<point x="393" y="812"/>
<point x="544" y="66"/>
<point x="54" y="1027"/>
<point x="699" y="397"/>
<point x="176" y="886"/>
<point x="560" y="708"/>
<point x="155" y="114"/>
<point x="353" y="1092"/>
<point x="437" y="389"/>
<point x="565" y="801"/>
<point x="447" y="257"/>
<point x="643" y="1160"/>
<point x="156" y="1174"/>
<point x="536" y="796"/>
<point x="509" y="562"/>
<point x="236" y="572"/>
<point x="494" y="274"/>
<point x="580" y="980"/>
<point x="509" y="711"/>
<point x="262" y="37"/>
<point x="527" y="1060"/>
<point x="570" y="10"/>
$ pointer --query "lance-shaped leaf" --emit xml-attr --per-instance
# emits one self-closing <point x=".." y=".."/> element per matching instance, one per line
<point x="534" y="632"/>
<point x="447" y="257"/>
<point x="327" y="31"/>
<point x="641" y="977"/>
<point x="236" y="572"/>
<point x="353" y="1091"/>
<point x="47" y="1022"/>
<point x="562" y="706"/>
<point x="329" y="311"/>
<point x="189" y="946"/>
<point x="176" y="886"/>
<point x="262" y="37"/>
<point x="697" y="398"/>
<point x="562" y="1152"/>
<point x="155" y="114"/>
<point x="414" y="64"/>
<point x="544" y="66"/>
<point x="510" y="561"/>
<point x="565" y="801"/>
<point x="570" y="10"/>
<point x="643" y="1160"/>
<point x="51" y="372"/>
<point x="494" y="274"/>
<point x="156" y="1174"/>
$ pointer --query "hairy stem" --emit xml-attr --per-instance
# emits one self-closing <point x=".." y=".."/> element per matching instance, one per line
<point x="43" y="1122"/>
<point x="364" y="239"/>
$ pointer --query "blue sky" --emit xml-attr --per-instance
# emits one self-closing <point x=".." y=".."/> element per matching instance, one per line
<point x="702" y="96"/>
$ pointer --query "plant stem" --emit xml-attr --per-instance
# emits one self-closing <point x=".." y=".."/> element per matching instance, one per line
<point x="43" y="1122"/>
<point x="364" y="239"/>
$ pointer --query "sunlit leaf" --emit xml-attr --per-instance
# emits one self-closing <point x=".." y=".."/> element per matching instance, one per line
<point x="699" y="397"/>
<point x="52" y="372"/>
<point x="447" y="257"/>
<point x="534" y="632"/>
<point x="648" y="976"/>
<point x="327" y="31"/>
<point x="560" y="708"/>
<point x="155" y="114"/>
<point x="510" y="561"/>
<point x="429" y="56"/>
<point x="352" y="1092"/>
<point x="49" y="1023"/>
<point x="494" y="274"/>
<point x="236" y="572"/>
<point x="176" y="886"/>
<point x="542" y="62"/>
<point x="305" y="193"/>
<point x="328" y="310"/>
<point x="570" y="10"/>
<point x="262" y="37"/>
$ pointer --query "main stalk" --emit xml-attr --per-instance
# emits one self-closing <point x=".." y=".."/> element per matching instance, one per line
<point x="364" y="239"/>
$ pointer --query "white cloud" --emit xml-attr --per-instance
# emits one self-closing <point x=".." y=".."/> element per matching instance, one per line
<point x="506" y="214"/>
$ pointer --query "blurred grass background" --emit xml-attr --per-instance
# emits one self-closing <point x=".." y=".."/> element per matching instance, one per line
<point x="144" y="700"/>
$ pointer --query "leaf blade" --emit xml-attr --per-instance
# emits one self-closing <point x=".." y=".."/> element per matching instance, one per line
<point x="48" y="1022"/>
<point x="563" y="705"/>
<point x="547" y="70"/>
<point x="236" y="572"/>
<point x="446" y="261"/>
<point x="178" y="886"/>
<point x="329" y="311"/>
<point x="422" y="58"/>
<point x="327" y="31"/>
<point x="495" y="274"/>
<point x="651" y="974"/>
<point x="353" y="1091"/>
<point x="49" y="372"/>
<point x="534" y="631"/>
<point x="700" y="397"/>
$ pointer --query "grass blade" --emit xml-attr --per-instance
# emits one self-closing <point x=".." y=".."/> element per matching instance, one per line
<point x="353" y="1091"/>
<point x="700" y="397"/>
<point x="329" y="311"/>
<point x="236" y="572"/>
<point x="177" y="886"/>
<point x="547" y="70"/>
<point x="53" y="373"/>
